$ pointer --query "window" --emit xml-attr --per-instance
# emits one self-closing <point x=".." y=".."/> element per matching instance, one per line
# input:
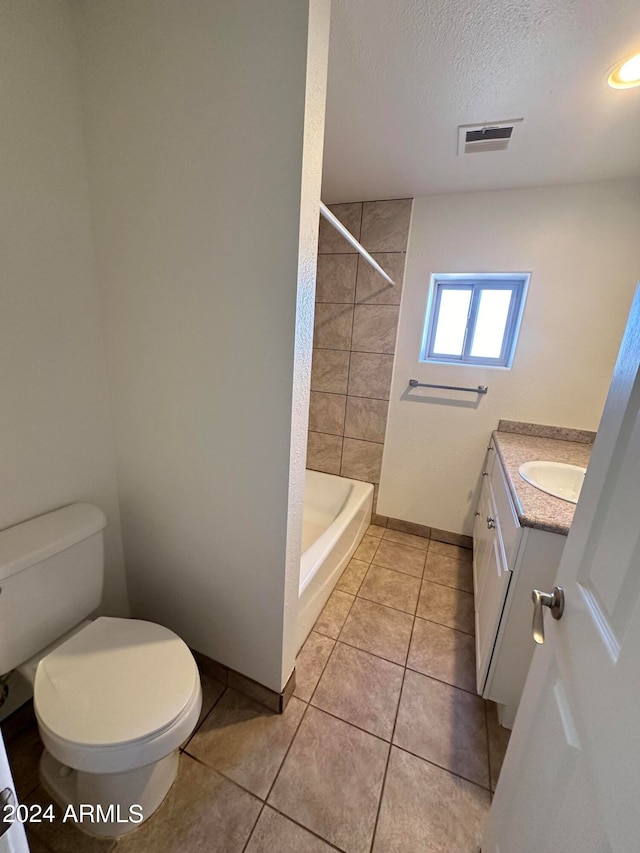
<point x="474" y="319"/>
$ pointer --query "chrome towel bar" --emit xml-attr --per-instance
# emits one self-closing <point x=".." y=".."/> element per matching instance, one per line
<point x="481" y="389"/>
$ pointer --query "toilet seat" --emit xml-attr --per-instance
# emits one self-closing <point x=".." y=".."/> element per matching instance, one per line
<point x="119" y="694"/>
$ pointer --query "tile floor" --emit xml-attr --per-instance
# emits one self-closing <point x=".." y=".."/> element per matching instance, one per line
<point x="384" y="747"/>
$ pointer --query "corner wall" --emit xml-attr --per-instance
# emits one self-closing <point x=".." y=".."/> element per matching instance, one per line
<point x="356" y="320"/>
<point x="206" y="235"/>
<point x="57" y="443"/>
<point x="581" y="244"/>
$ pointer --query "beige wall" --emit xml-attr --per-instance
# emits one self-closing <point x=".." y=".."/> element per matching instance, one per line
<point x="57" y="444"/>
<point x="198" y="116"/>
<point x="581" y="245"/>
<point x="356" y="320"/>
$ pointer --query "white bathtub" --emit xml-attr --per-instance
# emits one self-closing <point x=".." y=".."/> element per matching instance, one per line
<point x="337" y="512"/>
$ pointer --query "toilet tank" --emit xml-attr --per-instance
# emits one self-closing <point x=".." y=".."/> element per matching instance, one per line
<point x="51" y="573"/>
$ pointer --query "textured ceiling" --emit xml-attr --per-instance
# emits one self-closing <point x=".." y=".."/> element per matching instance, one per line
<point x="404" y="74"/>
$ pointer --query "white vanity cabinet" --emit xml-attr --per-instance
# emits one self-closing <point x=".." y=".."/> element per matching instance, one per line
<point x="509" y="561"/>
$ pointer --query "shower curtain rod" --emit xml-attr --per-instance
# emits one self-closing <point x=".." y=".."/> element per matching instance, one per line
<point x="324" y="210"/>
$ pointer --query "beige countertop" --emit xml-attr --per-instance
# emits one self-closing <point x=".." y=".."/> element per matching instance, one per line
<point x="535" y="508"/>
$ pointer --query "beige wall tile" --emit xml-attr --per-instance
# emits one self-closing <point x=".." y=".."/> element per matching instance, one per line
<point x="330" y="370"/>
<point x="385" y="225"/>
<point x="419" y="542"/>
<point x="370" y="375"/>
<point x="366" y="418"/>
<point x="361" y="460"/>
<point x="329" y="240"/>
<point x="332" y="326"/>
<point x="336" y="278"/>
<point x="373" y="288"/>
<point x="324" y="452"/>
<point x="409" y="527"/>
<point x="375" y="328"/>
<point x="326" y="413"/>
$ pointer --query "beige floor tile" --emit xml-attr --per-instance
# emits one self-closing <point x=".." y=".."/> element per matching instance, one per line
<point x="334" y="615"/>
<point x="447" y="606"/>
<point x="445" y="725"/>
<point x="360" y="688"/>
<point x="454" y="551"/>
<point x="245" y="741"/>
<point x="367" y="548"/>
<point x="443" y="653"/>
<point x="63" y="837"/>
<point x="393" y="589"/>
<point x="376" y="530"/>
<point x="498" y="743"/>
<point x="331" y="781"/>
<point x="203" y="813"/>
<point x="212" y="690"/>
<point x="378" y="629"/>
<point x="352" y="577"/>
<point x="449" y="571"/>
<point x="429" y="810"/>
<point x="401" y="558"/>
<point x="310" y="662"/>
<point x="274" y="832"/>
<point x="420" y="542"/>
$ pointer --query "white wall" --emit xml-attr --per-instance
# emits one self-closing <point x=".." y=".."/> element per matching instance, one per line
<point x="195" y="117"/>
<point x="56" y="444"/>
<point x="581" y="244"/>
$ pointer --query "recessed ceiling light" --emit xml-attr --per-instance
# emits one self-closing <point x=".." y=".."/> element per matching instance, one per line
<point x="626" y="73"/>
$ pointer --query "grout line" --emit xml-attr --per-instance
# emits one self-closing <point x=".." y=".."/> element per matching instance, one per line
<point x="349" y="723"/>
<point x="306" y="828"/>
<point x="440" y="767"/>
<point x="393" y="732"/>
<point x="202" y="721"/>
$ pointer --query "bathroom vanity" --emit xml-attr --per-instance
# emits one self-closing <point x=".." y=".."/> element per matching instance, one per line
<point x="518" y="539"/>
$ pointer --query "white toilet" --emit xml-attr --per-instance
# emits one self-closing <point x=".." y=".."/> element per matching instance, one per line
<point x="114" y="698"/>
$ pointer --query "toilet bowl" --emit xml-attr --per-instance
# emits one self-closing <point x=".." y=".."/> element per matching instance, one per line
<point x="113" y="704"/>
<point x="114" y="698"/>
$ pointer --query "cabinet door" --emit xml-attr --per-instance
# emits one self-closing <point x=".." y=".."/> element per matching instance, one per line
<point x="482" y="538"/>
<point x="493" y="587"/>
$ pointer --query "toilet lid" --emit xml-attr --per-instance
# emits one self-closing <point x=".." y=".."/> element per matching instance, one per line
<point x="117" y="680"/>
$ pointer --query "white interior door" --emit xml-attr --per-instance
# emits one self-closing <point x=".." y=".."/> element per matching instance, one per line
<point x="13" y="838"/>
<point x="570" y="782"/>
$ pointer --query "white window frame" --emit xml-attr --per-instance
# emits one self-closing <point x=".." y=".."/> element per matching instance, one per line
<point x="518" y="283"/>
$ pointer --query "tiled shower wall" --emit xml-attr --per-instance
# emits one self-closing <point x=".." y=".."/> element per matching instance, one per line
<point x="356" y="322"/>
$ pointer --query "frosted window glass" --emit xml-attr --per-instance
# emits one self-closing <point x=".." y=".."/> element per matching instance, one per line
<point x="452" y="321"/>
<point x="491" y="322"/>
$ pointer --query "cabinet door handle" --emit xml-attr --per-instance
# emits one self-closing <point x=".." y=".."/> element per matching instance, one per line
<point x="485" y="473"/>
<point x="491" y="522"/>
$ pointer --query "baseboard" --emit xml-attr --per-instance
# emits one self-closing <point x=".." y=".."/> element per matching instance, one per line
<point x="258" y="692"/>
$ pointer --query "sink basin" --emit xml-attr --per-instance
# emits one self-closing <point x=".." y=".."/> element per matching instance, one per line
<point x="555" y="478"/>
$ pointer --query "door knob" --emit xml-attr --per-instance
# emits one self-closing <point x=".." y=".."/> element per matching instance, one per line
<point x="554" y="601"/>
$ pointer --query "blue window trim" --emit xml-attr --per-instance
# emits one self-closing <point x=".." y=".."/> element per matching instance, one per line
<point x="516" y="282"/>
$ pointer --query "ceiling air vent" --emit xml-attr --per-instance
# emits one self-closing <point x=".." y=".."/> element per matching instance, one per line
<point x="492" y="136"/>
